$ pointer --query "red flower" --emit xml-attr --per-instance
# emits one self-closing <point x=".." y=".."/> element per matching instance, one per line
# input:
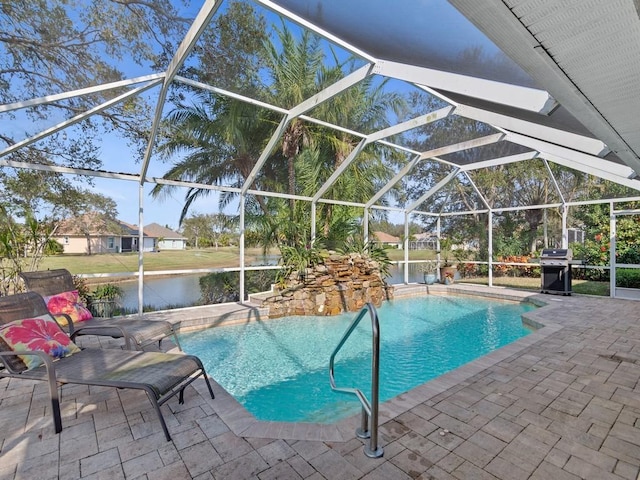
<point x="598" y="237"/>
<point x="603" y="248"/>
<point x="38" y="334"/>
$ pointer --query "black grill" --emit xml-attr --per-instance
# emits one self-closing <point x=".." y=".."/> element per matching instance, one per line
<point x="555" y="270"/>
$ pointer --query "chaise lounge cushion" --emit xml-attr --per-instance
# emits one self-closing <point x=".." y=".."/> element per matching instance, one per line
<point x="67" y="303"/>
<point x="39" y="334"/>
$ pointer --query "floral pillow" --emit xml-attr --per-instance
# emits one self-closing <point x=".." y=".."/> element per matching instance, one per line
<point x="41" y="334"/>
<point x="67" y="303"/>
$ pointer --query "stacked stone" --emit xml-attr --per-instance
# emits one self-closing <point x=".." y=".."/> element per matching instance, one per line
<point x="342" y="283"/>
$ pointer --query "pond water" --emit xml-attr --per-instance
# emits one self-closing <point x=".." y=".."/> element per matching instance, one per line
<point x="184" y="290"/>
<point x="163" y="292"/>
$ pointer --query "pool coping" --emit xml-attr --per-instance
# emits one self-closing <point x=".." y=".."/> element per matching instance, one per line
<point x="243" y="424"/>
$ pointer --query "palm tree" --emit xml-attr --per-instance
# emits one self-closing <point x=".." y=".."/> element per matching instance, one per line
<point x="222" y="139"/>
<point x="297" y="72"/>
<point x="293" y="71"/>
<point x="366" y="108"/>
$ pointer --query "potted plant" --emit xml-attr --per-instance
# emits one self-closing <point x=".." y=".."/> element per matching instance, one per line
<point x="447" y="269"/>
<point x="103" y="301"/>
<point x="429" y="272"/>
<point x="448" y="275"/>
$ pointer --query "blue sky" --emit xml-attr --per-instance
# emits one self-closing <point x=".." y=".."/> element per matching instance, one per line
<point x="165" y="212"/>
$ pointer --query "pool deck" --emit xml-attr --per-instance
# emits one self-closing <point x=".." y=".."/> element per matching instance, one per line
<point x="561" y="403"/>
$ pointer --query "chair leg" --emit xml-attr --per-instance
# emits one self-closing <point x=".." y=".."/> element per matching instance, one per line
<point x="55" y="399"/>
<point x="203" y="372"/>
<point x="206" y="379"/>
<point x="55" y="405"/>
<point x="175" y="339"/>
<point x="162" y="422"/>
<point x="153" y="400"/>
<point x="55" y="409"/>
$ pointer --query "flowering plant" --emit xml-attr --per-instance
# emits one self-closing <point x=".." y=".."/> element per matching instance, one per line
<point x="448" y="278"/>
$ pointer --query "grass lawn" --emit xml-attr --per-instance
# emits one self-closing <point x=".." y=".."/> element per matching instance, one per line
<point x="163" y="260"/>
<point x="177" y="260"/>
<point x="585" y="287"/>
<point x="396" y="255"/>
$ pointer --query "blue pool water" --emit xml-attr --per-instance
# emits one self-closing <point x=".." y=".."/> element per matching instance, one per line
<point x="278" y="369"/>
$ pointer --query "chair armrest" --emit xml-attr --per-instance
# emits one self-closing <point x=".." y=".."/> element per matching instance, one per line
<point x="83" y="330"/>
<point x="50" y="379"/>
<point x="70" y="324"/>
<point x="46" y="359"/>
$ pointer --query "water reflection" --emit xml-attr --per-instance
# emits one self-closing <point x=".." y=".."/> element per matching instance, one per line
<point x="160" y="293"/>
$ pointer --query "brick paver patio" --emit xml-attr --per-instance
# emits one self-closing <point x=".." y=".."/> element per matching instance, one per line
<point x="561" y="403"/>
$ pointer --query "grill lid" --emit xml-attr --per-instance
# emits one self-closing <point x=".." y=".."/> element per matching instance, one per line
<point x="557" y="254"/>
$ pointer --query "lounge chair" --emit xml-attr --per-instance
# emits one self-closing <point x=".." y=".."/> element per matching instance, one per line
<point x="160" y="375"/>
<point x="136" y="332"/>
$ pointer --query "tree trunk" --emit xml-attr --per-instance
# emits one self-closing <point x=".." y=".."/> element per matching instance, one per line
<point x="291" y="169"/>
<point x="327" y="221"/>
<point x="88" y="237"/>
<point x="546" y="229"/>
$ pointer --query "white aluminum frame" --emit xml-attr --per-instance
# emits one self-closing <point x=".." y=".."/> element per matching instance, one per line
<point x="549" y="144"/>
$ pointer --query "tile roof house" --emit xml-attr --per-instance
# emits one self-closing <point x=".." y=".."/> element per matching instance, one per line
<point x="387" y="239"/>
<point x="166" y="239"/>
<point x="92" y="233"/>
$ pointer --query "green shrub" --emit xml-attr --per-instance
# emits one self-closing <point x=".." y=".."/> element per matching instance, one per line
<point x="103" y="300"/>
<point x="83" y="289"/>
<point x="107" y="291"/>
<point x="297" y="258"/>
<point x="219" y="288"/>
<point x="594" y="253"/>
<point x="482" y="270"/>
<point x="53" y="248"/>
<point x="628" y="277"/>
<point x="224" y="287"/>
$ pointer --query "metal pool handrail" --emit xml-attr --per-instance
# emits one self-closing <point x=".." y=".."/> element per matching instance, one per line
<point x="368" y="429"/>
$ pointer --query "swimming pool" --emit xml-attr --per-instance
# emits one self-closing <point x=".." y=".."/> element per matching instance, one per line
<point x="278" y="369"/>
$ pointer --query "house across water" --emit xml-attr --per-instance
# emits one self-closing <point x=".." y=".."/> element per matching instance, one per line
<point x="90" y="235"/>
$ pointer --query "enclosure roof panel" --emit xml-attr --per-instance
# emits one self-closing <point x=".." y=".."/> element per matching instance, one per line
<point x="424" y="33"/>
<point x="585" y="54"/>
